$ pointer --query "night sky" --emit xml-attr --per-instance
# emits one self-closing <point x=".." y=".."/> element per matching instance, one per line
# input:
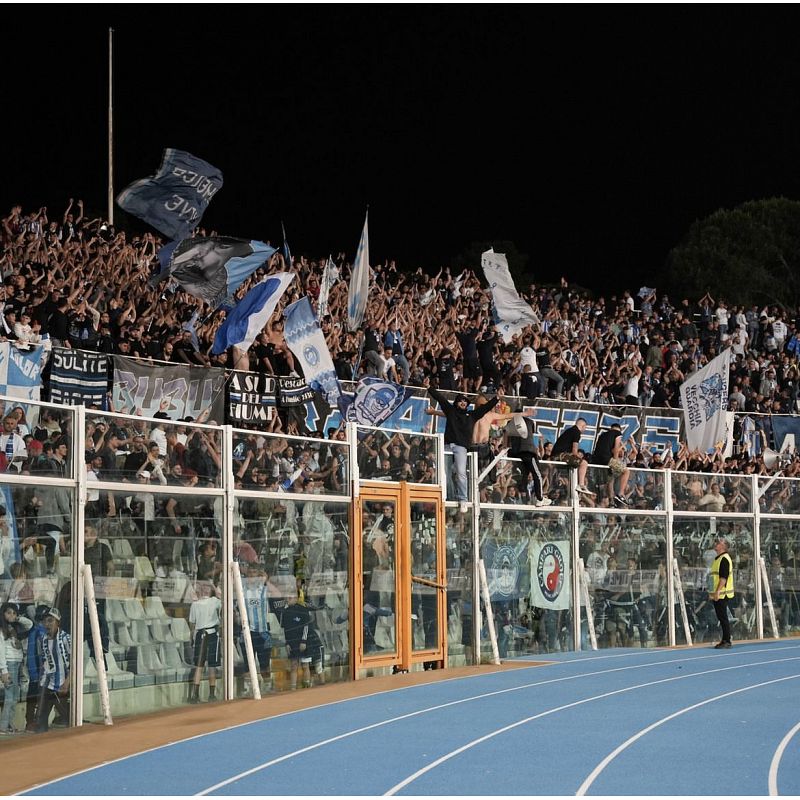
<point x="590" y="136"/>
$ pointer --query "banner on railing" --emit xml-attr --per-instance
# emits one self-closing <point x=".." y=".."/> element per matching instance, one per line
<point x="79" y="378"/>
<point x="20" y="371"/>
<point x="175" y="390"/>
<point x="251" y="397"/>
<point x="550" y="575"/>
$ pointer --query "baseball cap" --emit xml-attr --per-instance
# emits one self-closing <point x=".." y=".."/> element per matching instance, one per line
<point x="54" y="613"/>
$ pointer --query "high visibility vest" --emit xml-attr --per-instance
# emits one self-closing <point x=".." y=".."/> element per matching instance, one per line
<point x="714" y="577"/>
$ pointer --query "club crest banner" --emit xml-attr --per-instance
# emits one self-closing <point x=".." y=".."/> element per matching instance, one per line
<point x="20" y="371"/>
<point x="550" y="575"/>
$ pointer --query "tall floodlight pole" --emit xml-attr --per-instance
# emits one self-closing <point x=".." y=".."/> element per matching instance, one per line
<point x="110" y="126"/>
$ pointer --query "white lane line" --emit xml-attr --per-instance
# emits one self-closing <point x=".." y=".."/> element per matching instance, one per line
<point x="382" y="723"/>
<point x="419" y="773"/>
<point x="776" y="761"/>
<point x="614" y="753"/>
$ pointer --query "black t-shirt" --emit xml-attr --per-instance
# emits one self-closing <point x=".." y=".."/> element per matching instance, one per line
<point x="468" y="345"/>
<point x="564" y="442"/>
<point x="604" y="447"/>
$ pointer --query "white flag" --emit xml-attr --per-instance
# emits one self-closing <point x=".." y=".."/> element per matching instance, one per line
<point x="704" y="398"/>
<point x="359" y="282"/>
<point x="550" y="575"/>
<point x="329" y="278"/>
<point x="512" y="313"/>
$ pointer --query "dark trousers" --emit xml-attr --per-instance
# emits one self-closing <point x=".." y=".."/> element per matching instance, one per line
<point x="47" y="700"/>
<point x="530" y="465"/>
<point x="721" y="610"/>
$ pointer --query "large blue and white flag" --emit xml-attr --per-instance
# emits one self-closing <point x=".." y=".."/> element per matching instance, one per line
<point x="213" y="268"/>
<point x="704" y="398"/>
<point x="173" y="200"/>
<point x="20" y="371"/>
<point x="329" y="278"/>
<point x="375" y="400"/>
<point x="511" y="312"/>
<point x="359" y="282"/>
<point x="306" y="340"/>
<point x="251" y="313"/>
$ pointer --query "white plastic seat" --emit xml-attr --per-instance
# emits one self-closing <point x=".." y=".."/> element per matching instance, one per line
<point x="122" y="550"/>
<point x="161" y="630"/>
<point x="64" y="567"/>
<point x="124" y="635"/>
<point x="133" y="608"/>
<point x="171" y="658"/>
<point x="180" y="629"/>
<point x="154" y="608"/>
<point x="114" y="611"/>
<point x="119" y="679"/>
<point x="143" y="569"/>
<point x="140" y="632"/>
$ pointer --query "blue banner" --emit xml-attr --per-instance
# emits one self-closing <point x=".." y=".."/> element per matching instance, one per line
<point x="79" y="378"/>
<point x="173" y="200"/>
<point x="374" y="402"/>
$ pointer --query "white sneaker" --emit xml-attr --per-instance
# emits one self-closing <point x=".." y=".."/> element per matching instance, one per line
<point x="545" y="501"/>
<point x="463" y="506"/>
<point x="584" y="490"/>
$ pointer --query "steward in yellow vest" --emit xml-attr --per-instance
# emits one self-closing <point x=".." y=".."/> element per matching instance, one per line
<point x="720" y="589"/>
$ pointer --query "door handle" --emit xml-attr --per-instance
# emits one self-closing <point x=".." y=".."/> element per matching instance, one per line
<point x="426" y="582"/>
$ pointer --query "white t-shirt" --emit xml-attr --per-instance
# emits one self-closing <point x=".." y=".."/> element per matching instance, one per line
<point x="527" y="356"/>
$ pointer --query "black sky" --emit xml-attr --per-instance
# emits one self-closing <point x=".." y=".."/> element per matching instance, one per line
<point x="590" y="136"/>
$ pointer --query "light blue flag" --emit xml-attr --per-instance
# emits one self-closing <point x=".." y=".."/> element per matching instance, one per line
<point x="173" y="200"/>
<point x="306" y="340"/>
<point x="213" y="268"/>
<point x="251" y="313"/>
<point x="359" y="282"/>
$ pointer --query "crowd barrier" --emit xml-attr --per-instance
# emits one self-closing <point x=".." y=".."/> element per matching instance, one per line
<point x="174" y="527"/>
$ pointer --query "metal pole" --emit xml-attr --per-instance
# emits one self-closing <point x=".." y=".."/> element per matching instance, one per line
<point x="77" y="597"/>
<point x="669" y="573"/>
<point x="681" y="601"/>
<point x="759" y="575"/>
<point x="575" y="577"/>
<point x="587" y="599"/>
<point x="487" y="602"/>
<point x="228" y="646"/>
<point x="97" y="641"/>
<point x="475" y="511"/>
<point x="768" y="592"/>
<point x="110" y="126"/>
<point x="236" y="579"/>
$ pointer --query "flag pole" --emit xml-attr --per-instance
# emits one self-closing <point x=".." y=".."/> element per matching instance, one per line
<point x="110" y="126"/>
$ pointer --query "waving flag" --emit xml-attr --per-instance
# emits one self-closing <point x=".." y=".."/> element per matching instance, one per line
<point x="251" y="313"/>
<point x="359" y="282"/>
<point x="306" y="341"/>
<point x="704" y="398"/>
<point x="287" y="253"/>
<point x="213" y="268"/>
<point x="374" y="402"/>
<point x="173" y="200"/>
<point x="329" y="278"/>
<point x="511" y="312"/>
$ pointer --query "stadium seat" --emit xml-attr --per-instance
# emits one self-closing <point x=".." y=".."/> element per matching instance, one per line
<point x="133" y="608"/>
<point x="143" y="569"/>
<point x="114" y="611"/>
<point x="161" y="630"/>
<point x="170" y="656"/>
<point x="118" y="679"/>
<point x="180" y="629"/>
<point x="140" y="632"/>
<point x="154" y="608"/>
<point x="122" y="550"/>
<point x="148" y="662"/>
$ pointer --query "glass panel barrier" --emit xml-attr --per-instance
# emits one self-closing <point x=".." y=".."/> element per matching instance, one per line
<point x="272" y="462"/>
<point x="713" y="493"/>
<point x="693" y="539"/>
<point x="36" y="549"/>
<point x="780" y="549"/>
<point x="460" y="562"/>
<point x="625" y="560"/>
<point x="157" y="566"/>
<point x="152" y="451"/>
<point x="40" y="439"/>
<point x="450" y="476"/>
<point x="510" y="482"/>
<point x="529" y="562"/>
<point x="397" y="456"/>
<point x="641" y="489"/>
<point x="294" y="559"/>
<point x="378" y="558"/>
<point x="779" y="495"/>
<point x="424" y="597"/>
